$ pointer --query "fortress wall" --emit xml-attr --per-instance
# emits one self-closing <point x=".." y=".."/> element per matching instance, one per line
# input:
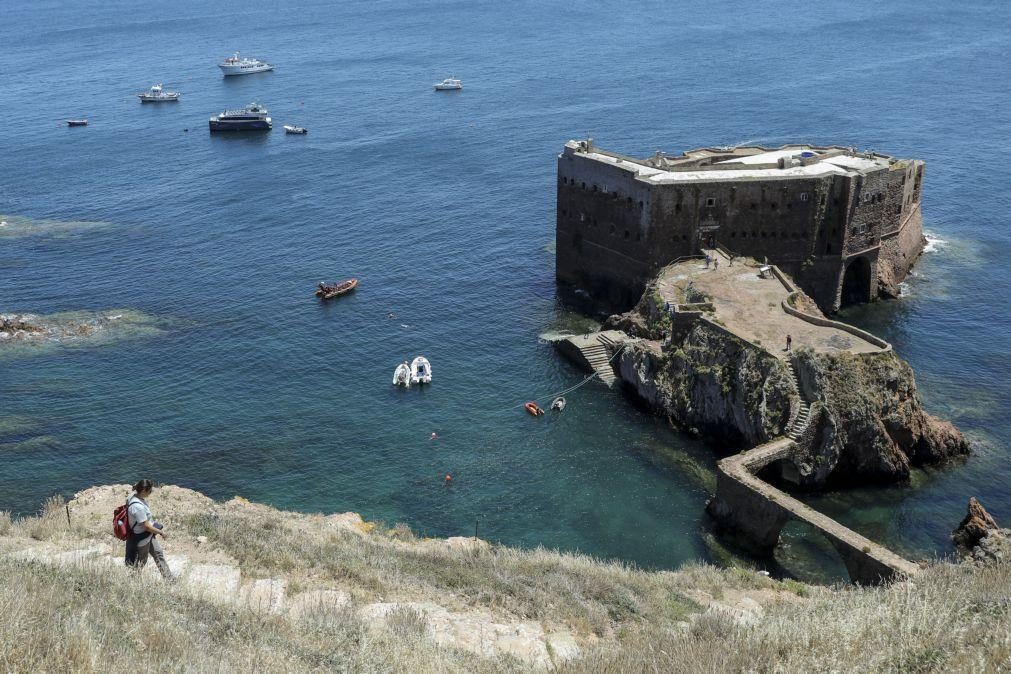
<point x="603" y="232"/>
<point x="614" y="232"/>
<point x="899" y="252"/>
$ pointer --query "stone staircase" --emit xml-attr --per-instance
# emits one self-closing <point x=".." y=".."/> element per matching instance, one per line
<point x="598" y="357"/>
<point x="803" y="419"/>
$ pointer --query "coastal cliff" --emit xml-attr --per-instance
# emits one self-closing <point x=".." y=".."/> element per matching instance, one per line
<point x="712" y="384"/>
<point x="874" y="427"/>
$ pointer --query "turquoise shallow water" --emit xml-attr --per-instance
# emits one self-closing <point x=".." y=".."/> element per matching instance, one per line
<point x="444" y="206"/>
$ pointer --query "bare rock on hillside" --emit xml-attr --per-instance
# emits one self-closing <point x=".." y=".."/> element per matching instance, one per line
<point x="979" y="537"/>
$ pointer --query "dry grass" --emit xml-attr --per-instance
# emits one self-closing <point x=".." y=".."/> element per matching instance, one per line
<point x="951" y="618"/>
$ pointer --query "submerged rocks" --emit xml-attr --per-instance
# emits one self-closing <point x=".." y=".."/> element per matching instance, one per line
<point x="32" y="330"/>
<point x="978" y="536"/>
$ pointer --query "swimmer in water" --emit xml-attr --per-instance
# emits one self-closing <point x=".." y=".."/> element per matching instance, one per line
<point x="434" y="436"/>
<point x="448" y="479"/>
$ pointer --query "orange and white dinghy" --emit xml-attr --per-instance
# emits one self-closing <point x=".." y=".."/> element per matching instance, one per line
<point x="533" y="408"/>
<point x="327" y="292"/>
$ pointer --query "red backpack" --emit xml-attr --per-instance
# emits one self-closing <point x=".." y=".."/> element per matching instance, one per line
<point x="121" y="528"/>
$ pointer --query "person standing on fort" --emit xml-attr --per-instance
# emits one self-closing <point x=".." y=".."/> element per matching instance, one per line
<point x="144" y="532"/>
<point x="707" y="260"/>
<point x="789" y="342"/>
<point x="716" y="263"/>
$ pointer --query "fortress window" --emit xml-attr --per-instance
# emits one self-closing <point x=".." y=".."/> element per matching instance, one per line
<point x="629" y="200"/>
<point x="583" y="185"/>
<point x="626" y="235"/>
<point x="564" y="212"/>
<point x="804" y="196"/>
<point x="763" y="234"/>
<point x="677" y="208"/>
<point x="754" y="206"/>
<point x="804" y="235"/>
<point x="684" y="237"/>
<point x="772" y="205"/>
<point x="640" y="205"/>
<point x="733" y="235"/>
<point x="710" y="201"/>
<point x="828" y="248"/>
<point x="638" y="236"/>
<point x="612" y="230"/>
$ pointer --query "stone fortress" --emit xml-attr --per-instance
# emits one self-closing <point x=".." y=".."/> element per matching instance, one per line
<point x="845" y="225"/>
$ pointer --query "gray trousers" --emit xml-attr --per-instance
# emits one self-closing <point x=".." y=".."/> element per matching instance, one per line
<point x="151" y="547"/>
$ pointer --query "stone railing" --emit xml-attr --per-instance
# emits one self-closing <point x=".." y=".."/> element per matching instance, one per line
<point x="818" y="320"/>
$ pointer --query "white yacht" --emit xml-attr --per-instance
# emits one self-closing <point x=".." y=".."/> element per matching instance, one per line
<point x="233" y="65"/>
<point x="402" y="375"/>
<point x="158" y="95"/>
<point x="449" y="84"/>
<point x="295" y="130"/>
<point x="421" y="371"/>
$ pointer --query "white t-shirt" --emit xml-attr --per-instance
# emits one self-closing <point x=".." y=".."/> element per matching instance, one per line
<point x="138" y="513"/>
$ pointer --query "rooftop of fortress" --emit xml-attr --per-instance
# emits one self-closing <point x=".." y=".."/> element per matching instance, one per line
<point x="745" y="162"/>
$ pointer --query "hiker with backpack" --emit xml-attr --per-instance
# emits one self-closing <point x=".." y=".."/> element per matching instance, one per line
<point x="136" y="522"/>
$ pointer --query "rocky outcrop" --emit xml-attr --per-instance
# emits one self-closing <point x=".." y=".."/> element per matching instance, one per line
<point x="873" y="427"/>
<point x="649" y="319"/>
<point x="712" y="383"/>
<point x="18" y="326"/>
<point x="979" y="538"/>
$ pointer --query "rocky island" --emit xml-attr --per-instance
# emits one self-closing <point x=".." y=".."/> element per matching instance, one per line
<point x="734" y="256"/>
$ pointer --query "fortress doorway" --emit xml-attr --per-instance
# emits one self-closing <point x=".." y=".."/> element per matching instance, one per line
<point x="856" y="286"/>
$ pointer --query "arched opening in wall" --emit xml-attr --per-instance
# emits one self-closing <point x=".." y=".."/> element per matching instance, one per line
<point x="806" y="554"/>
<point x="856" y="287"/>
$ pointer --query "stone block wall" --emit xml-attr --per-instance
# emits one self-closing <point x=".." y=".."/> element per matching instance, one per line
<point x="615" y="231"/>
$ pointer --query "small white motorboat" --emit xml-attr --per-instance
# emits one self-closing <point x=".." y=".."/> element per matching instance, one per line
<point x="402" y="375"/>
<point x="449" y="84"/>
<point x="158" y="95"/>
<point x="77" y="122"/>
<point x="421" y="371"/>
<point x="296" y="130"/>
<point x="558" y="404"/>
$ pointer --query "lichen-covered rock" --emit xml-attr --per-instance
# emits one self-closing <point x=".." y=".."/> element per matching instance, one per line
<point x="714" y="384"/>
<point x="650" y="319"/>
<point x="873" y="426"/>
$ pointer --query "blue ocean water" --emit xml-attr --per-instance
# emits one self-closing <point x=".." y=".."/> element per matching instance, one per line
<point x="443" y="206"/>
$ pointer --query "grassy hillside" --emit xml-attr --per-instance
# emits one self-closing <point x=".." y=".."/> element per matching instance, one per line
<point x="335" y="593"/>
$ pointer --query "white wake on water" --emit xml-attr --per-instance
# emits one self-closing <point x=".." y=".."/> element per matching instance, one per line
<point x="934" y="243"/>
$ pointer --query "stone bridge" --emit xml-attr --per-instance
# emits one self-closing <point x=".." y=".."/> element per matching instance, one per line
<point x="758" y="511"/>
